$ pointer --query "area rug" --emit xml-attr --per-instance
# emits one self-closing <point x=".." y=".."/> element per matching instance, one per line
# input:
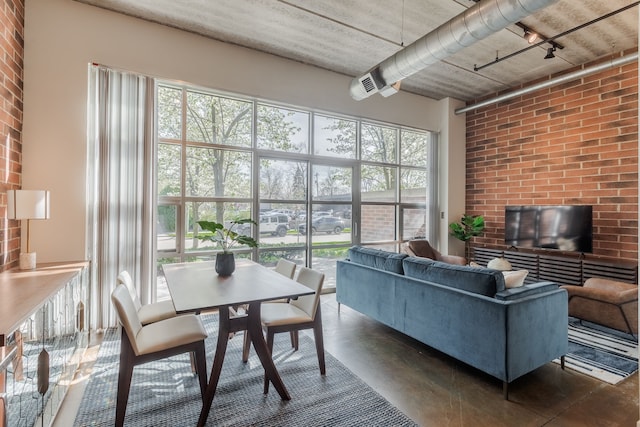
<point x="166" y="393"/>
<point x="601" y="352"/>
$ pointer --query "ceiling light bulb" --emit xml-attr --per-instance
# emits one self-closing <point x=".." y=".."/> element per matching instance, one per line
<point x="532" y="37"/>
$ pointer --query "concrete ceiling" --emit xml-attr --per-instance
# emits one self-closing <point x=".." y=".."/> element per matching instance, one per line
<point x="350" y="37"/>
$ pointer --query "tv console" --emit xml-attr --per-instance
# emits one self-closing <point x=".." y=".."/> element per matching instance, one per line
<point x="563" y="268"/>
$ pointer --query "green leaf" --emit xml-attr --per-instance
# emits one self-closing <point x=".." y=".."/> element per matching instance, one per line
<point x="468" y="227"/>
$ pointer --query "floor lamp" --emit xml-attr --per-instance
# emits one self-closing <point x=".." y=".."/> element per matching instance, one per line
<point x="28" y="204"/>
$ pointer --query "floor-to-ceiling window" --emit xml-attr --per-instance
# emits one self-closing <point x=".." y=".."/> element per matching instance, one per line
<point x="315" y="183"/>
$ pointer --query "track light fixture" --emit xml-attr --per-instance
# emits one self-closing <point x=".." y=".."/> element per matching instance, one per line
<point x="554" y="45"/>
<point x="530" y="36"/>
<point x="550" y="54"/>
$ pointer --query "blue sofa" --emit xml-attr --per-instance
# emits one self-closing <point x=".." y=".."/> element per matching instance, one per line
<point x="465" y="312"/>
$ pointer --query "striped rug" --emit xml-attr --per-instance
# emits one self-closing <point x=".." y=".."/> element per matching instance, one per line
<point x="600" y="352"/>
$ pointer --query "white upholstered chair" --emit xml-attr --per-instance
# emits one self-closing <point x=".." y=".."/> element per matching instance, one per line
<point x="286" y="268"/>
<point x="147" y="313"/>
<point x="301" y="313"/>
<point x="158" y="340"/>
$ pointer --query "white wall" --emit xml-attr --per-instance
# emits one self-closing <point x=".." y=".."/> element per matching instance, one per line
<point x="62" y="37"/>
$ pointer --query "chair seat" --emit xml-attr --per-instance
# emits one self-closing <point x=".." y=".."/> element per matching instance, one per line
<point x="275" y="314"/>
<point x="170" y="333"/>
<point x="606" y="302"/>
<point x="156" y="311"/>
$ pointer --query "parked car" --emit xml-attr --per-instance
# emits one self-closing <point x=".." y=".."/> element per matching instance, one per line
<point x="276" y="225"/>
<point x="320" y="214"/>
<point x="327" y="224"/>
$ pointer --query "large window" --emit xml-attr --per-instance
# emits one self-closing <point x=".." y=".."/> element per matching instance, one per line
<point x="314" y="183"/>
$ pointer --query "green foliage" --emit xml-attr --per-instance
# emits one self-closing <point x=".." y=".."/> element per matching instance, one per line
<point x="468" y="227"/>
<point x="226" y="237"/>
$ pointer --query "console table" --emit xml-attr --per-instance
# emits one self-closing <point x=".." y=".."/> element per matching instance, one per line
<point x="562" y="269"/>
<point x="42" y="313"/>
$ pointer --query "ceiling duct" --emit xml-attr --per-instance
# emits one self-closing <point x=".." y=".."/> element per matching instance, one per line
<point x="476" y="23"/>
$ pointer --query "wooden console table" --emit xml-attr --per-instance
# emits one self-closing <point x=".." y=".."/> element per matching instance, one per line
<point x="41" y="310"/>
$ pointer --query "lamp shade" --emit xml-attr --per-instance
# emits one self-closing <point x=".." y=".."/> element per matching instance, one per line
<point x="28" y="204"/>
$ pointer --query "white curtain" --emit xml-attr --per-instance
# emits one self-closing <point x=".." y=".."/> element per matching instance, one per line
<point x="120" y="187"/>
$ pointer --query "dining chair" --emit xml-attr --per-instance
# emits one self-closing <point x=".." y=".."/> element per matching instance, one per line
<point x="301" y="313"/>
<point x="144" y="343"/>
<point x="288" y="269"/>
<point x="148" y="313"/>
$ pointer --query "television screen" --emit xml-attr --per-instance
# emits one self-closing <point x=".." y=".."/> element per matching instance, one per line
<point x="567" y="228"/>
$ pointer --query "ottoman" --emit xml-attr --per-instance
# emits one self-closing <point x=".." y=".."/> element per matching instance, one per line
<point x="606" y="302"/>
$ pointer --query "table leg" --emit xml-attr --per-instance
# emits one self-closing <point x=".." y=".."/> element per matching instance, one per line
<point x="254" y="326"/>
<point x="221" y="348"/>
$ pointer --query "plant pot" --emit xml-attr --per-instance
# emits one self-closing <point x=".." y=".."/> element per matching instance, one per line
<point x="225" y="264"/>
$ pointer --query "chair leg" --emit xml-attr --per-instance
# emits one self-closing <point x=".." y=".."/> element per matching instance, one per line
<point x="294" y="339"/>
<point x="200" y="359"/>
<point x="505" y="390"/>
<point x="246" y="346"/>
<point x="124" y="378"/>
<point x="562" y="362"/>
<point x="270" y="335"/>
<point x="317" y="334"/>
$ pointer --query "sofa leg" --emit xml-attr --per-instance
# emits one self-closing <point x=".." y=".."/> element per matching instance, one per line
<point x="562" y="362"/>
<point x="505" y="390"/>
<point x="338" y="308"/>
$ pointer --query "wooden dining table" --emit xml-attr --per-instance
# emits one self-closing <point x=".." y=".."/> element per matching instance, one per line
<point x="196" y="287"/>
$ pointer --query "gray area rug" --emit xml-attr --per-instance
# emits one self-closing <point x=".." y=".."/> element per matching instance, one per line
<point x="166" y="393"/>
<point x="601" y="352"/>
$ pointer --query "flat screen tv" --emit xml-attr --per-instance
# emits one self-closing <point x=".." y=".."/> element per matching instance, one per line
<point x="566" y="228"/>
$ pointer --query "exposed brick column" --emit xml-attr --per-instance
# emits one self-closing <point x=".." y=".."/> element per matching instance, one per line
<point x="11" y="95"/>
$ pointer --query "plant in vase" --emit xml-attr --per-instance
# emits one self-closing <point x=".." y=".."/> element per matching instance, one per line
<point x="227" y="237"/>
<point x="468" y="227"/>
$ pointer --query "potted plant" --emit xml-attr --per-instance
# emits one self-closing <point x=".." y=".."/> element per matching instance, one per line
<point x="227" y="238"/>
<point x="468" y="227"/>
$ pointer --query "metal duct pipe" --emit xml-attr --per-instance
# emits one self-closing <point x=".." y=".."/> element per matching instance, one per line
<point x="555" y="81"/>
<point x="476" y="23"/>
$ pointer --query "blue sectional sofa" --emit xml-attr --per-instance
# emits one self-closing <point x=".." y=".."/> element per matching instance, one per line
<point x="465" y="312"/>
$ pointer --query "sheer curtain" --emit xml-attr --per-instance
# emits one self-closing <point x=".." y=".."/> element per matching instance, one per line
<point x="120" y="186"/>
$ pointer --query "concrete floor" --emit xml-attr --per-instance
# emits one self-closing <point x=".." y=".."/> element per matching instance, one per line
<point x="436" y="390"/>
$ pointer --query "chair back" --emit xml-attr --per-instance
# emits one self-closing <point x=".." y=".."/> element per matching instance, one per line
<point x="127" y="314"/>
<point x="125" y="278"/>
<point x="286" y="268"/>
<point x="423" y="248"/>
<point x="313" y="280"/>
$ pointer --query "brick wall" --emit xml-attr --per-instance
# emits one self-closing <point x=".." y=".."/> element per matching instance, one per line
<point x="11" y="75"/>
<point x="575" y="143"/>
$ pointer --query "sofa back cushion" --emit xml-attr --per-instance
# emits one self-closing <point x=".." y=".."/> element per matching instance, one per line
<point x="482" y="281"/>
<point x="416" y="266"/>
<point x="383" y="260"/>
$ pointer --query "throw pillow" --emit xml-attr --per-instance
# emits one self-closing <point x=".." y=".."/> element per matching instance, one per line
<point x="501" y="264"/>
<point x="514" y="279"/>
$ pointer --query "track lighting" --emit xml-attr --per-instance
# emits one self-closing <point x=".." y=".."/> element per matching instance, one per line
<point x="550" y="54"/>
<point x="530" y="36"/>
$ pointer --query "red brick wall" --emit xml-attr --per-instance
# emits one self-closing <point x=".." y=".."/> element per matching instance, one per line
<point x="11" y="75"/>
<point x="575" y="143"/>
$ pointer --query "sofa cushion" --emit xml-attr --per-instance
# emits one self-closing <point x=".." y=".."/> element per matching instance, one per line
<point x="417" y="266"/>
<point x="482" y="281"/>
<point x="383" y="260"/>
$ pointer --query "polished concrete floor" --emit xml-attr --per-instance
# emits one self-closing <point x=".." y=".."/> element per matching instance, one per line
<point x="436" y="390"/>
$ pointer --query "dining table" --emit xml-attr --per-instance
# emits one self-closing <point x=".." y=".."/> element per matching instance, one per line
<point x="195" y="287"/>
